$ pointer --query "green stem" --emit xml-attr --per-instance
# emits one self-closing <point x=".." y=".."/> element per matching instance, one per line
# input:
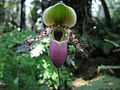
<point x="59" y="76"/>
<point x="59" y="87"/>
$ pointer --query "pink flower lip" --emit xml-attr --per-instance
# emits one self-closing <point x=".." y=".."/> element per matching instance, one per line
<point x="58" y="52"/>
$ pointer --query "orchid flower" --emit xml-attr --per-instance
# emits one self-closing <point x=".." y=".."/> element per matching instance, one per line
<point x="59" y="18"/>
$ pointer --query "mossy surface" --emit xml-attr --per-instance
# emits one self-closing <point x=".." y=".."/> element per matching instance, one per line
<point x="103" y="83"/>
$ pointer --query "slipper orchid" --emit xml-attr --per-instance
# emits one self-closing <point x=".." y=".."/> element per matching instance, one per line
<point x="59" y="17"/>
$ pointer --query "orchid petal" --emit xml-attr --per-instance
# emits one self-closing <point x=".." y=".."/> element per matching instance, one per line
<point x="58" y="52"/>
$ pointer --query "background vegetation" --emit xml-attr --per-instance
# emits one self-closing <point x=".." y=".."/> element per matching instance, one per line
<point x="25" y="63"/>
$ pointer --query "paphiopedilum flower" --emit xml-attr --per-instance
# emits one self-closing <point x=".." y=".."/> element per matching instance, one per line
<point x="60" y="18"/>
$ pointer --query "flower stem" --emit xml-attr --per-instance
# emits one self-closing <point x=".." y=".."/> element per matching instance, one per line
<point x="59" y="87"/>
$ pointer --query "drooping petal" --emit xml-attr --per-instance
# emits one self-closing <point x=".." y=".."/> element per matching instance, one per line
<point x="79" y="46"/>
<point x="58" y="52"/>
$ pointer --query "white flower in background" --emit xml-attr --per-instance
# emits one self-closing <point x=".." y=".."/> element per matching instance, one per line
<point x="39" y="49"/>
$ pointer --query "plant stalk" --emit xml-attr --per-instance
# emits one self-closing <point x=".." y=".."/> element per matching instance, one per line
<point x="59" y="87"/>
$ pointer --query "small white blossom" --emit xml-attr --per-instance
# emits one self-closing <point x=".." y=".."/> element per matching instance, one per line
<point x="39" y="49"/>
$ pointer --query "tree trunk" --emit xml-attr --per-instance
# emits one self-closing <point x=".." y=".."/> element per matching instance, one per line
<point x="82" y="9"/>
<point x="22" y="22"/>
<point x="2" y="12"/>
<point x="107" y="15"/>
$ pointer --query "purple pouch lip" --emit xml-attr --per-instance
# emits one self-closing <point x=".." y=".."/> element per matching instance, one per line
<point x="58" y="52"/>
<point x="58" y="46"/>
